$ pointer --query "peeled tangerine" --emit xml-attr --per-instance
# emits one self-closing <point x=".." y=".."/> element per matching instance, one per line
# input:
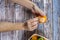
<point x="42" y="19"/>
<point x="34" y="38"/>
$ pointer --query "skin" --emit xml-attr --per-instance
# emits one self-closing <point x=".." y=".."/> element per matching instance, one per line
<point x="31" y="24"/>
<point x="29" y="4"/>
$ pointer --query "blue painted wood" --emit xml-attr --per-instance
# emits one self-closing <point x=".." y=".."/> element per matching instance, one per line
<point x="50" y="29"/>
<point x="55" y="18"/>
<point x="48" y="26"/>
<point x="58" y="13"/>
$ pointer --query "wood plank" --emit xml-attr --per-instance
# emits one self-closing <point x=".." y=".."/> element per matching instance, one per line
<point x="2" y="17"/>
<point x="55" y="18"/>
<point x="58" y="13"/>
<point x="48" y="26"/>
<point x="18" y="14"/>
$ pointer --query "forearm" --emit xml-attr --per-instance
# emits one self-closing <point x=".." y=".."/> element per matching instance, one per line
<point x="30" y="5"/>
<point x="26" y="3"/>
<point x="8" y="26"/>
<point x="29" y="25"/>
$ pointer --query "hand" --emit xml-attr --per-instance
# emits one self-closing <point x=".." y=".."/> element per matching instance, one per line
<point x="36" y="10"/>
<point x="32" y="24"/>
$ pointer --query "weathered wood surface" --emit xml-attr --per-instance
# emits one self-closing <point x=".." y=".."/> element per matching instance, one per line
<point x="17" y="13"/>
<point x="48" y="26"/>
<point x="57" y="18"/>
<point x="58" y="12"/>
<point x="11" y="14"/>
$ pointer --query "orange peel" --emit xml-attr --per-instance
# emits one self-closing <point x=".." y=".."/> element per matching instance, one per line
<point x="42" y="19"/>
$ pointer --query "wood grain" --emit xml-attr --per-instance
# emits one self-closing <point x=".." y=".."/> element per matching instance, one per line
<point x="17" y="13"/>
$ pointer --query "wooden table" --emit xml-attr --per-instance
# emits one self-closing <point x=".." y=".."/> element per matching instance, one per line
<point x="17" y="13"/>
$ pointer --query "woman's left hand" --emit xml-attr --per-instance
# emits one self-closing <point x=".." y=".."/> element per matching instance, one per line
<point x="32" y="24"/>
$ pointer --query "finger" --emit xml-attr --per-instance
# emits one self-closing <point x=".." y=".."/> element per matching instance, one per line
<point x="33" y="20"/>
<point x="30" y="24"/>
<point x="34" y="23"/>
<point x="41" y="13"/>
<point x="38" y="11"/>
<point x="34" y="27"/>
<point x="33" y="11"/>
